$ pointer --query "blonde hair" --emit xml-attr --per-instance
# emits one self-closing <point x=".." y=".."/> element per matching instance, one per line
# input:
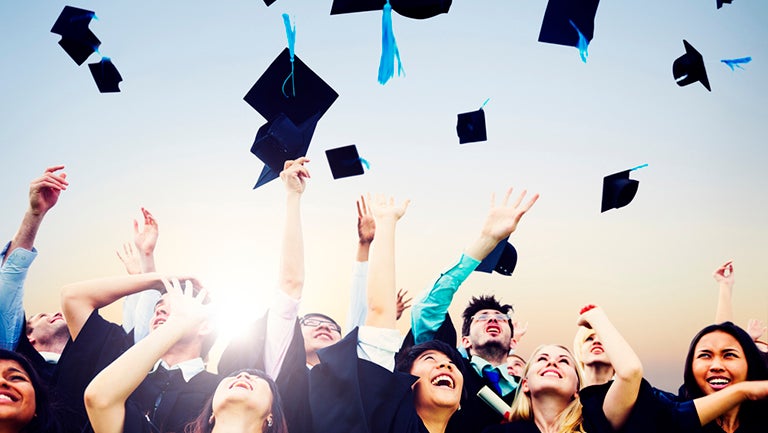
<point x="570" y="419"/>
<point x="582" y="333"/>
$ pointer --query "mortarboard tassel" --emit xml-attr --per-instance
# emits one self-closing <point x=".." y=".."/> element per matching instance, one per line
<point x="389" y="51"/>
<point x="638" y="167"/>
<point x="736" y="63"/>
<point x="290" y="31"/>
<point x="582" y="45"/>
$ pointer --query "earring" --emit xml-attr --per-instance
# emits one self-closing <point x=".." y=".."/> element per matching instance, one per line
<point x="211" y="419"/>
<point x="269" y="421"/>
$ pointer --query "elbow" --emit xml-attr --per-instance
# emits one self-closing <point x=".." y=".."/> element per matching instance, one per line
<point x="292" y="285"/>
<point x="631" y="373"/>
<point x="95" y="399"/>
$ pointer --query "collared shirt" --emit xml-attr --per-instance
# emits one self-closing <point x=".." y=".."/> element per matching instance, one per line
<point x="507" y="383"/>
<point x="12" y="275"/>
<point x="189" y="368"/>
<point x="50" y="357"/>
<point x="428" y="313"/>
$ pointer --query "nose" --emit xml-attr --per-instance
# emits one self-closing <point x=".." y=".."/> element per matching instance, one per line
<point x="716" y="364"/>
<point x="446" y="365"/>
<point x="243" y="375"/>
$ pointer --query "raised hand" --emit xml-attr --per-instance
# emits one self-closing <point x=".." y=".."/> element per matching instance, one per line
<point x="502" y="220"/>
<point x="294" y="175"/>
<point x="130" y="259"/>
<point x="402" y="303"/>
<point x="724" y="274"/>
<point x="45" y="190"/>
<point x="146" y="239"/>
<point x="366" y="224"/>
<point x="184" y="306"/>
<point x="385" y="208"/>
<point x="756" y="328"/>
<point x="520" y="330"/>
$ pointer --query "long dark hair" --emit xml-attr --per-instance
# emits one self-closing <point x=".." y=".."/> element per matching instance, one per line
<point x="202" y="423"/>
<point x="756" y="367"/>
<point x="45" y="419"/>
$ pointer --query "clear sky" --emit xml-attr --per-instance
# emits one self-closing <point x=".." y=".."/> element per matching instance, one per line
<point x="176" y="140"/>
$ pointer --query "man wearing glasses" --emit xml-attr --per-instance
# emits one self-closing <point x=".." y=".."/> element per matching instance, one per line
<point x="487" y="331"/>
<point x="319" y="331"/>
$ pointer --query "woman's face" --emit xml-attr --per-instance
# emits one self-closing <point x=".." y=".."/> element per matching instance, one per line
<point x="17" y="395"/>
<point x="243" y="391"/>
<point x="552" y="368"/>
<point x="718" y="361"/>
<point x="440" y="381"/>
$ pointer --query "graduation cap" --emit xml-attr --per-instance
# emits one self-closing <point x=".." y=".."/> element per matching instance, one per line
<point x="106" y="75"/>
<point x="565" y="19"/>
<point x="280" y="140"/>
<point x="345" y="161"/>
<point x="502" y="259"/>
<point x="619" y="189"/>
<point x="689" y="68"/>
<point x="720" y="3"/>
<point x="416" y="9"/>
<point x="76" y="38"/>
<point x="298" y="96"/>
<point x="471" y="127"/>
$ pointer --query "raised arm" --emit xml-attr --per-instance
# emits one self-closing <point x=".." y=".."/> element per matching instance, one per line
<point x="725" y="279"/>
<point x="428" y="312"/>
<point x="623" y="392"/>
<point x="710" y="407"/>
<point x="382" y="310"/>
<point x="79" y="300"/>
<point x="43" y="195"/>
<point x="146" y="240"/>
<point x="18" y="255"/>
<point x="366" y="229"/>
<point x="105" y="397"/>
<point x="294" y="177"/>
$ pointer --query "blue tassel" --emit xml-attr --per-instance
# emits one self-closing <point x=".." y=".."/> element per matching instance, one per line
<point x="290" y="31"/>
<point x="366" y="164"/>
<point x="486" y="101"/>
<point x="736" y="63"/>
<point x="389" y="51"/>
<point x="638" y="167"/>
<point x="583" y="43"/>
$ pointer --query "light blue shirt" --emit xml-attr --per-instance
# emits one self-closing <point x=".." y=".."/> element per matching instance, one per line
<point x="12" y="275"/>
<point x="428" y="313"/>
<point x="507" y="383"/>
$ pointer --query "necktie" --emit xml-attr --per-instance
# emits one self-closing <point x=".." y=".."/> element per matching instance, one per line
<point x="493" y="376"/>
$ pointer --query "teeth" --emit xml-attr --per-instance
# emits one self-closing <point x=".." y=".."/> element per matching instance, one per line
<point x="443" y="380"/>
<point x="551" y="374"/>
<point x="718" y="381"/>
<point x="5" y="397"/>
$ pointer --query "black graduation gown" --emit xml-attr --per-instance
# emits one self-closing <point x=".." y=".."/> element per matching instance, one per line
<point x="293" y="380"/>
<point x="352" y="395"/>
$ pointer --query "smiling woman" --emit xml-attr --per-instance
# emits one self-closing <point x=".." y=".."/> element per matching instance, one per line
<point x="24" y="403"/>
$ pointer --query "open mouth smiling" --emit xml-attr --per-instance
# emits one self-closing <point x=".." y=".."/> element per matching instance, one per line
<point x="551" y="372"/>
<point x="718" y="382"/>
<point x="443" y="380"/>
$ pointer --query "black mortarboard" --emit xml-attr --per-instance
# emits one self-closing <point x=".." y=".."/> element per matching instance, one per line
<point x="280" y="140"/>
<point x="556" y="27"/>
<point x="689" y="68"/>
<point x="273" y="92"/>
<point x="502" y="259"/>
<point x="76" y="38"/>
<point x="720" y="3"/>
<point x="106" y="75"/>
<point x="618" y="190"/>
<point x="269" y="2"/>
<point x="471" y="127"/>
<point x="416" y="9"/>
<point x="344" y="161"/>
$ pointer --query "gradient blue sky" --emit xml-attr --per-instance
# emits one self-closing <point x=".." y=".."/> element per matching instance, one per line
<point x="176" y="140"/>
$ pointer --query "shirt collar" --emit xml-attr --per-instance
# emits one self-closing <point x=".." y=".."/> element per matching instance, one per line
<point x="507" y="383"/>
<point x="51" y="357"/>
<point x="189" y="368"/>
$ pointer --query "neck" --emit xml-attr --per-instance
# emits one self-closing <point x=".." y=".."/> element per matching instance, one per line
<point x="180" y="353"/>
<point x="435" y="419"/>
<point x="492" y="355"/>
<point x="729" y="421"/>
<point x="55" y="345"/>
<point x="546" y="409"/>
<point x="312" y="359"/>
<point x="597" y="373"/>
<point x="238" y="424"/>
<point x="7" y="426"/>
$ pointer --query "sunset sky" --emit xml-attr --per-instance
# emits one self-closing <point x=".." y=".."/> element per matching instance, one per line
<point x="176" y="140"/>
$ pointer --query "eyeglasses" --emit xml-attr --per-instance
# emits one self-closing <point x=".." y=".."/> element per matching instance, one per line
<point x="314" y="323"/>
<point x="488" y="316"/>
